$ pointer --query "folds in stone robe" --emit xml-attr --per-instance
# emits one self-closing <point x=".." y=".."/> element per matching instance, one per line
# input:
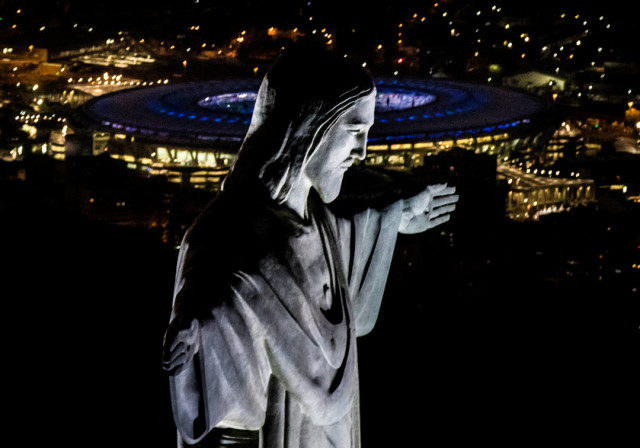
<point x="280" y="303"/>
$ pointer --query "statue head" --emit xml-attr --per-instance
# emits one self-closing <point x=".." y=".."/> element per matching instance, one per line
<point x="344" y="142"/>
<point x="310" y="120"/>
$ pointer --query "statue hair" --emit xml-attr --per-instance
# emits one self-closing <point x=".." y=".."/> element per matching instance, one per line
<point x="302" y="95"/>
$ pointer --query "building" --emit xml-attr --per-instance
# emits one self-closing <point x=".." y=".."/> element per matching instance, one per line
<point x="535" y="81"/>
<point x="533" y="194"/>
<point x="28" y="66"/>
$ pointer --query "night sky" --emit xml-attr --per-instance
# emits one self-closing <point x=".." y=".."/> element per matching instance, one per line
<point x="227" y="17"/>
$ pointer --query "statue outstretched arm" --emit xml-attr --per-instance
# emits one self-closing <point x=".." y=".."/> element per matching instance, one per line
<point x="429" y="208"/>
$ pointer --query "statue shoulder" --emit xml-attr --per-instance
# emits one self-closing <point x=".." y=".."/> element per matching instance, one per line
<point x="233" y="233"/>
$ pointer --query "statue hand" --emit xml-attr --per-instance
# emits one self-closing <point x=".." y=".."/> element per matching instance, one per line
<point x="181" y="342"/>
<point x="428" y="209"/>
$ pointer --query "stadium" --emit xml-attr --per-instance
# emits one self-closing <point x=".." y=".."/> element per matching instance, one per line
<point x="192" y="131"/>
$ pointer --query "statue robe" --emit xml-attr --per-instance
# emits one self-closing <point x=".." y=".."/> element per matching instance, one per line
<point x="280" y="303"/>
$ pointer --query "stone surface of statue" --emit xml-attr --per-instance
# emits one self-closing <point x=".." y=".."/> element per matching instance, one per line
<point x="273" y="285"/>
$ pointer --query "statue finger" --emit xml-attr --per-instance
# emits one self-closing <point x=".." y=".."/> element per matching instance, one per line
<point x="438" y="220"/>
<point x="176" y="341"/>
<point x="442" y="210"/>
<point x="174" y="352"/>
<point x="174" y="363"/>
<point x="444" y="200"/>
<point x="446" y="191"/>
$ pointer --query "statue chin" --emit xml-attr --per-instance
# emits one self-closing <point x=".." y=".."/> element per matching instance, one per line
<point x="329" y="191"/>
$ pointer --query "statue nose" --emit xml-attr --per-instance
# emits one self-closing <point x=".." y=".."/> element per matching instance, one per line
<point x="360" y="151"/>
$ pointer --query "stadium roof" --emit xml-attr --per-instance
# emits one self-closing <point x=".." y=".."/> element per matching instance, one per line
<point x="217" y="113"/>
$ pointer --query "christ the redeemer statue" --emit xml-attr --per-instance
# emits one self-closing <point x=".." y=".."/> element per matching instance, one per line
<point x="272" y="286"/>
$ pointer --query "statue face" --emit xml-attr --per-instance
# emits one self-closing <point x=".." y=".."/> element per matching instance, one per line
<point x="344" y="143"/>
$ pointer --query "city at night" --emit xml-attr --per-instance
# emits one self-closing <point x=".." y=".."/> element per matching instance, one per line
<point x="514" y="322"/>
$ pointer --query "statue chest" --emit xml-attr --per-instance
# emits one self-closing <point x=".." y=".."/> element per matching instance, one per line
<point x="309" y="288"/>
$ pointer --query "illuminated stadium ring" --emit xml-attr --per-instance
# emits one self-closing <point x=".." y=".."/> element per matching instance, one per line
<point x="217" y="114"/>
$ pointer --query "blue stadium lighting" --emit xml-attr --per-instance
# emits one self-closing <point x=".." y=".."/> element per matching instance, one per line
<point x="221" y="110"/>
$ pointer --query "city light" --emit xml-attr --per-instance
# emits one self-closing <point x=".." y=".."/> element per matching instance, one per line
<point x="484" y="45"/>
